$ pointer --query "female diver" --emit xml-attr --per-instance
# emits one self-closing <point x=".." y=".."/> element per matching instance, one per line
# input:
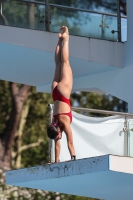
<point x="61" y="90"/>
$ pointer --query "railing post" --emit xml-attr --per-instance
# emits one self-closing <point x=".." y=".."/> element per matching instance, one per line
<point x="47" y="15"/>
<point x="126" y="136"/>
<point x="51" y="142"/>
<point x="119" y="20"/>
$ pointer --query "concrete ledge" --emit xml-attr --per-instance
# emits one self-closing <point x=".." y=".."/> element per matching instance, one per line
<point x="104" y="52"/>
<point x="27" y="56"/>
<point x="58" y="170"/>
<point x="106" y="177"/>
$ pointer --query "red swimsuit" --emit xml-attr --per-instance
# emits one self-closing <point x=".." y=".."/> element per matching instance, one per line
<point x="58" y="96"/>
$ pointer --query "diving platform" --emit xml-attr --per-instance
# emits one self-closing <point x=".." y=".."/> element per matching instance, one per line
<point x="103" y="177"/>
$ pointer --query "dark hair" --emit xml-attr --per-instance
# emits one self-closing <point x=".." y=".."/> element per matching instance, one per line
<point x="52" y="131"/>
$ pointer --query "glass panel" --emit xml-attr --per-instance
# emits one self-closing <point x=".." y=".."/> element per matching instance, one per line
<point x="130" y="137"/>
<point x="24" y="15"/>
<point x="123" y="29"/>
<point x="84" y="23"/>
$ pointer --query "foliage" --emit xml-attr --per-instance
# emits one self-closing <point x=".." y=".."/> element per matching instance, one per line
<point x="36" y="123"/>
<point x="5" y="104"/>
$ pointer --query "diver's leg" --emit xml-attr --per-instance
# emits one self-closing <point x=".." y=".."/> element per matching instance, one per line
<point x="57" y="74"/>
<point x="65" y="85"/>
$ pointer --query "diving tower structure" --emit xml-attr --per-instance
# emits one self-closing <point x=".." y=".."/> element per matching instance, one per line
<point x="100" y="64"/>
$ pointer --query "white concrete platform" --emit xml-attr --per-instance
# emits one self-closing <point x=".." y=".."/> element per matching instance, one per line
<point x="105" y="177"/>
<point x="27" y="56"/>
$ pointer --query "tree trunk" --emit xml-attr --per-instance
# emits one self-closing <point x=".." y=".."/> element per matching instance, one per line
<point x="19" y="134"/>
<point x="19" y="96"/>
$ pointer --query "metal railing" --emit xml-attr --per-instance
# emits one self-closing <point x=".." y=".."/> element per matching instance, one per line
<point x="47" y="16"/>
<point x="99" y="111"/>
<point x="70" y="8"/>
<point x="122" y="114"/>
<point x="102" y="25"/>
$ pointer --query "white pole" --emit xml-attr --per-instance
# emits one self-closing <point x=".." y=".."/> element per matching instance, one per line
<point x="51" y="142"/>
<point x="126" y="152"/>
<point x="1" y="8"/>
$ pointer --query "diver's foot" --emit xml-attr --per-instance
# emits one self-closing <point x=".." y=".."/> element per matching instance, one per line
<point x="64" y="34"/>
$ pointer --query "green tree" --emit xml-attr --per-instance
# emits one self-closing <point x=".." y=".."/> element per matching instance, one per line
<point x="34" y="130"/>
<point x="17" y="96"/>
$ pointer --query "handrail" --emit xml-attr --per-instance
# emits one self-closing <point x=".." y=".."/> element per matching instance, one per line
<point x="100" y="111"/>
<point x="71" y="8"/>
<point x="103" y="111"/>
